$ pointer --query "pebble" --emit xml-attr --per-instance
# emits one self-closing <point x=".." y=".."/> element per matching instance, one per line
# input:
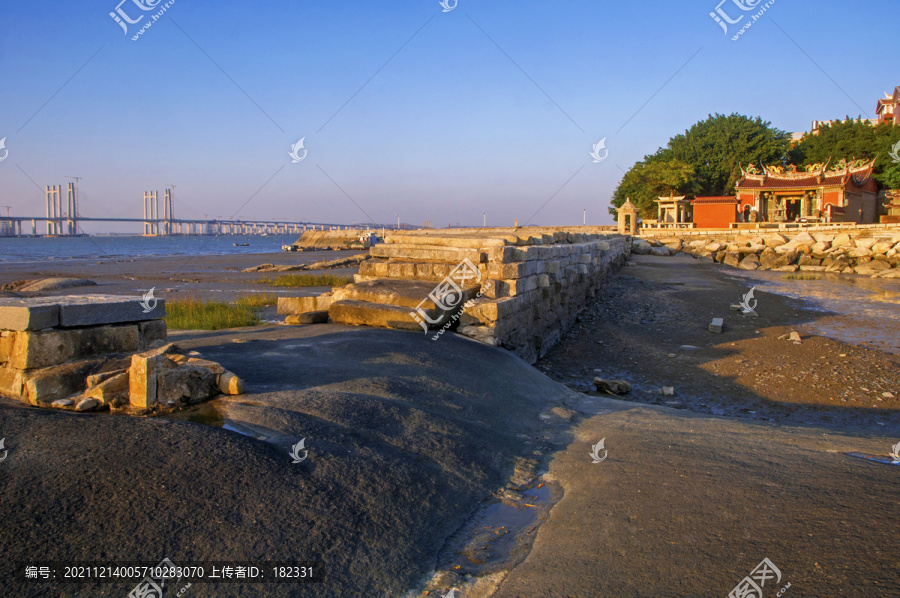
<point x="888" y="395"/>
<point x="671" y="355"/>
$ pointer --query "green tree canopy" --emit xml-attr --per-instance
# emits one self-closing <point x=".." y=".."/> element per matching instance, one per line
<point x="852" y="139"/>
<point x="704" y="160"/>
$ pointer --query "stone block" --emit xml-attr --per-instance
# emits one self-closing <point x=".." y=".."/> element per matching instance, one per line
<point x="427" y="253"/>
<point x="143" y="377"/>
<point x="716" y="325"/>
<point x="12" y="382"/>
<point x="113" y="387"/>
<point x="46" y="385"/>
<point x="403" y="293"/>
<point x="363" y="313"/>
<point x="185" y="384"/>
<point x="7" y="342"/>
<point x="302" y="305"/>
<point x="28" y="314"/>
<point x="152" y="330"/>
<point x="49" y="348"/>
<point x="310" y="317"/>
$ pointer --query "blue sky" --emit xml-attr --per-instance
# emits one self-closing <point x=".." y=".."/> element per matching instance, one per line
<point x="491" y="107"/>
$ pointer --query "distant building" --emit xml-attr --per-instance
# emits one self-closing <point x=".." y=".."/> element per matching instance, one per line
<point x="887" y="111"/>
<point x="844" y="193"/>
<point x="715" y="211"/>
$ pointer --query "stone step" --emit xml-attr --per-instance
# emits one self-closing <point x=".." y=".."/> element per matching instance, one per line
<point x="364" y="313"/>
<point x="408" y="294"/>
<point x="76" y="310"/>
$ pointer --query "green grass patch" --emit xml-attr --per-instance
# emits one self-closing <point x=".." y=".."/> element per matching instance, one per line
<point x="306" y="280"/>
<point x="196" y="314"/>
<point x="257" y="300"/>
<point x="802" y="276"/>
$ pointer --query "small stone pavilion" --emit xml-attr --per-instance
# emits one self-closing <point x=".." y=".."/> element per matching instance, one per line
<point x="627" y="214"/>
<point x="673" y="212"/>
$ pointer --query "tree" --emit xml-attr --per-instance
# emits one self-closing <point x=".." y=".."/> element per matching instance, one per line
<point x="852" y="139"/>
<point x="712" y="152"/>
<point x="648" y="180"/>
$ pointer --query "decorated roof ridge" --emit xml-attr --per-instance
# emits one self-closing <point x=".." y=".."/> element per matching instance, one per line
<point x="817" y="171"/>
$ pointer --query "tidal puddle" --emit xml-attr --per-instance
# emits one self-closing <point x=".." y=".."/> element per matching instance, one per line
<point x="209" y="414"/>
<point x="501" y="533"/>
<point x="855" y="309"/>
<point x="874" y="458"/>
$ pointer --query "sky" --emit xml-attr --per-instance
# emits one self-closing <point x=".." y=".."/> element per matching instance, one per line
<point x="486" y="112"/>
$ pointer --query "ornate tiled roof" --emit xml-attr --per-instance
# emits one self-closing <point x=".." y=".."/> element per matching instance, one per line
<point x="775" y="177"/>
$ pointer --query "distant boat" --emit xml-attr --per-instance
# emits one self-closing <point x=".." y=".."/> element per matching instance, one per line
<point x="241" y="244"/>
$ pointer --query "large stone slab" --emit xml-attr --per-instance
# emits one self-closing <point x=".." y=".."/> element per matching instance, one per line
<point x="38" y="349"/>
<point x="28" y="314"/>
<point x="362" y="313"/>
<point x="427" y="253"/>
<point x="94" y="310"/>
<point x="75" y="310"/>
<point x="302" y="305"/>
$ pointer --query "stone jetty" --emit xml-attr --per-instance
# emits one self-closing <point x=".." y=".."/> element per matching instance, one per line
<point x="520" y="289"/>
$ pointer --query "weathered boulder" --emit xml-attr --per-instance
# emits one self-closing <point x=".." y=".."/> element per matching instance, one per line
<point x="660" y="251"/>
<point x="751" y="262"/>
<point x="732" y="258"/>
<point x="769" y="258"/>
<point x="775" y="240"/>
<point x="713" y="247"/>
<point x="807" y="260"/>
<point x="866" y="243"/>
<point x="230" y="384"/>
<point x="640" y="247"/>
<point x="820" y="247"/>
<point x="615" y="387"/>
<point x="881" y="248"/>
<point x="842" y="240"/>
<point x="87" y="404"/>
<point x="804" y="237"/>
<point x="859" y="252"/>
<point x="823" y="238"/>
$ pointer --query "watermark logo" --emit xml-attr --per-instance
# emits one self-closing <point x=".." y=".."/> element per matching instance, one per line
<point x="123" y="19"/>
<point x="295" y="152"/>
<point x="600" y="145"/>
<point x="752" y="585"/>
<point x="295" y="452"/>
<point x="595" y="451"/>
<point x="723" y="19"/>
<point x="153" y="585"/>
<point x="894" y="153"/>
<point x="745" y="302"/>
<point x="149" y="302"/>
<point x="447" y="295"/>
<point x="895" y="455"/>
<point x="447" y="5"/>
<point x="3" y="147"/>
<point x="6" y="451"/>
<point x="451" y="593"/>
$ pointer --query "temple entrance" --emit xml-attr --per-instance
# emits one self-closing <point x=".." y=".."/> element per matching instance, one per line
<point x="791" y="209"/>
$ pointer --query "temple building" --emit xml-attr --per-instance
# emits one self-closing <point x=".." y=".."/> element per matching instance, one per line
<point x="845" y="192"/>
